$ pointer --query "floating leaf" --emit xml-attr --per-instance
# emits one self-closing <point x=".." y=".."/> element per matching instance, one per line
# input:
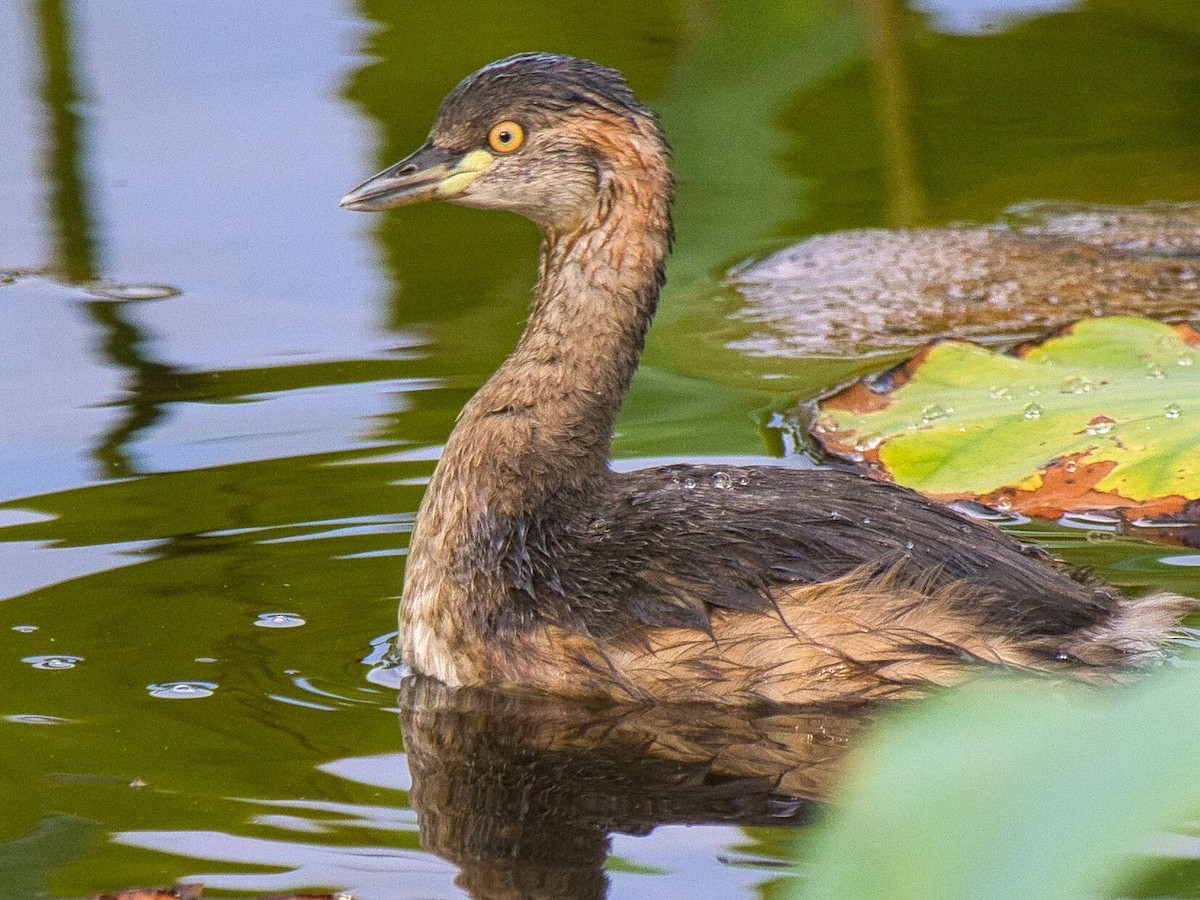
<point x="1104" y="416"/>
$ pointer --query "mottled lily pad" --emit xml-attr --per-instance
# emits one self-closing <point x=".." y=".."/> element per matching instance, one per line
<point x="1042" y="266"/>
<point x="1104" y="416"/>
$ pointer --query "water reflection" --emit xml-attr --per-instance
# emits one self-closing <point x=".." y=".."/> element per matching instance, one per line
<point x="523" y="795"/>
<point x="76" y="242"/>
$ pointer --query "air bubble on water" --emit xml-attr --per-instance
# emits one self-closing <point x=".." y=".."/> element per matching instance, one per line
<point x="278" y="620"/>
<point x="59" y="661"/>
<point x="182" y="690"/>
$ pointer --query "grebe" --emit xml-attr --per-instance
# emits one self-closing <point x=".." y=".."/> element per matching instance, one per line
<point x="534" y="566"/>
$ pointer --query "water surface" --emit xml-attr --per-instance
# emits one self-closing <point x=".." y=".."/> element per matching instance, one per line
<point x="221" y="398"/>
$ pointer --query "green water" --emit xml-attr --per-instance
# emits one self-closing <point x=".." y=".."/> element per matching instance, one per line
<point x="173" y="469"/>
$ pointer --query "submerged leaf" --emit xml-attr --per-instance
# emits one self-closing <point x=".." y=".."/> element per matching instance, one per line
<point x="1042" y="266"/>
<point x="1104" y="416"/>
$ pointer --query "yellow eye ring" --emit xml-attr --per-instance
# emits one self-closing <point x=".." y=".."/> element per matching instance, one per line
<point x="505" y="137"/>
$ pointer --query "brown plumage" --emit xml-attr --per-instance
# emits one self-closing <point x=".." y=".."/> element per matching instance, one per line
<point x="534" y="566"/>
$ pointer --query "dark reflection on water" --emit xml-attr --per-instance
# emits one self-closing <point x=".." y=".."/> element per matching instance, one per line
<point x="71" y="210"/>
<point x="523" y="794"/>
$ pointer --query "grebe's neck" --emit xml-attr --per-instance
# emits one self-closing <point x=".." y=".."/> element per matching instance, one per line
<point x="532" y="446"/>
<point x="543" y="423"/>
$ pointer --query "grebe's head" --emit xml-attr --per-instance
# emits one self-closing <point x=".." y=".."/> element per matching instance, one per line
<point x="552" y="138"/>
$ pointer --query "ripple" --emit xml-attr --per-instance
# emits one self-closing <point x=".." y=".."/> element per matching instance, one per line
<point x="130" y="293"/>
<point x="25" y="629"/>
<point x="182" y="690"/>
<point x="278" y="620"/>
<point x="972" y="509"/>
<point x="37" y="720"/>
<point x="1098" y="519"/>
<point x="57" y="661"/>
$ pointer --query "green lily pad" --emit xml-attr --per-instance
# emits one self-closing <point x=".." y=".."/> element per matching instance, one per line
<point x="1105" y="415"/>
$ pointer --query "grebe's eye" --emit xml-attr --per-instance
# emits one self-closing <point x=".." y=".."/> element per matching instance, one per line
<point x="505" y="137"/>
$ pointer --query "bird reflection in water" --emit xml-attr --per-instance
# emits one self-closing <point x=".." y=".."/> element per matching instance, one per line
<point x="523" y="793"/>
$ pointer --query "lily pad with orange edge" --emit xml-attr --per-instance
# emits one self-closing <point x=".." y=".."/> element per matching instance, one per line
<point x="1103" y="416"/>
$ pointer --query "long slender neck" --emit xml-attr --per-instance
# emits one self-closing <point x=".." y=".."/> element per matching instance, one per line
<point x="542" y="425"/>
<point x="533" y="443"/>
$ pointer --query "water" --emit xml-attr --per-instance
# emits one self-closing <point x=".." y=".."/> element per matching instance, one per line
<point x="221" y="398"/>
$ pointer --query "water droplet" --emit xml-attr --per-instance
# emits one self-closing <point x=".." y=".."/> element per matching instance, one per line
<point x="1032" y="411"/>
<point x="909" y="545"/>
<point x="1171" y="411"/>
<point x="127" y="293"/>
<point x="1185" y="359"/>
<point x="206" y="659"/>
<point x="1071" y="466"/>
<point x="53" y="662"/>
<point x="1076" y="384"/>
<point x="743" y="481"/>
<point x="689" y="483"/>
<point x="1154" y="370"/>
<point x="825" y="424"/>
<point x="1099" y="537"/>
<point x="25" y="629"/>
<point x="182" y="690"/>
<point x="598" y="525"/>
<point x="1100" y="425"/>
<point x="934" y="413"/>
<point x="866" y="521"/>
<point x="999" y="393"/>
<point x="722" y="480"/>
<point x="1004" y="504"/>
<point x="1035" y="392"/>
<point x="278" y="620"/>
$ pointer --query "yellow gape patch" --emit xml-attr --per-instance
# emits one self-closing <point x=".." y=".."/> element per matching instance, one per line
<point x="468" y="169"/>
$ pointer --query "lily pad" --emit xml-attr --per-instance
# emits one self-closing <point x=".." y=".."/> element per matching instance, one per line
<point x="1103" y="416"/>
